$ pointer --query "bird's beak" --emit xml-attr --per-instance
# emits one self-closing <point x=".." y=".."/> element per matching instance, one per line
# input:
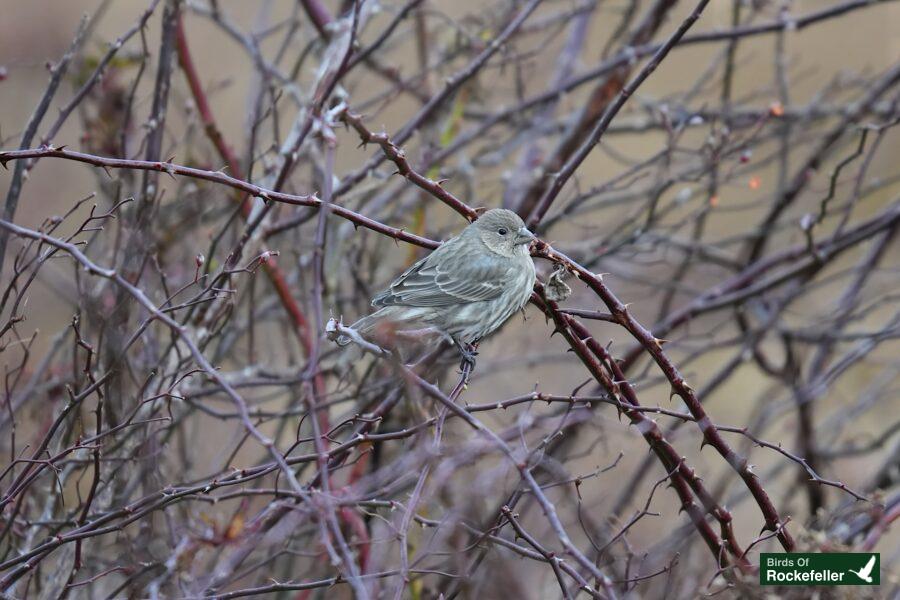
<point x="523" y="236"/>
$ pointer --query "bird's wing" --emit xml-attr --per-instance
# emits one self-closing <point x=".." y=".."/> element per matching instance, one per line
<point x="447" y="276"/>
<point x="868" y="568"/>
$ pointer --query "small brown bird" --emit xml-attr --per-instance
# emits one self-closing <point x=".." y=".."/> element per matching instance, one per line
<point x="464" y="290"/>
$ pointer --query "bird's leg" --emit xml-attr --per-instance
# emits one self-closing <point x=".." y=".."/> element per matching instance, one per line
<point x="468" y="352"/>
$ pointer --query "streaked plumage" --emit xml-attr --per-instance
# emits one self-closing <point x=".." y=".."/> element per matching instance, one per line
<point x="466" y="288"/>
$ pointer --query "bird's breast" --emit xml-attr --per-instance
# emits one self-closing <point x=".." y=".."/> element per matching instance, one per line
<point x="527" y="277"/>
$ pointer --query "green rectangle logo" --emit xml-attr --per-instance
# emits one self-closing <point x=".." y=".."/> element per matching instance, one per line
<point x="824" y="568"/>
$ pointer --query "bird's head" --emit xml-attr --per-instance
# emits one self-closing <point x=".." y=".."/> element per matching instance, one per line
<point x="503" y="232"/>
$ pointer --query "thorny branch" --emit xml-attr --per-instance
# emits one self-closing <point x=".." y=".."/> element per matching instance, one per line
<point x="175" y="426"/>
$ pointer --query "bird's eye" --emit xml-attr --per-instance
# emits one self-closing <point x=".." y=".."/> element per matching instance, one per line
<point x="502" y="231"/>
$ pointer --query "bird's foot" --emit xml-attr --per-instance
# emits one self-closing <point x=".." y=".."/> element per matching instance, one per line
<point x="468" y="353"/>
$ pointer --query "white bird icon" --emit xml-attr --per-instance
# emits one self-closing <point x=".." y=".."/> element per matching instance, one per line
<point x="866" y="572"/>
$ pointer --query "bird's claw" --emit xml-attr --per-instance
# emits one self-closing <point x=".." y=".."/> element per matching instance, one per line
<point x="468" y="357"/>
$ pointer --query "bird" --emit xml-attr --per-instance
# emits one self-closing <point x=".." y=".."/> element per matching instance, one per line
<point x="464" y="290"/>
<point x="866" y="572"/>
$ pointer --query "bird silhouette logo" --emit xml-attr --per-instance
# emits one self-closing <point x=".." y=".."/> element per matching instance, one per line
<point x="866" y="572"/>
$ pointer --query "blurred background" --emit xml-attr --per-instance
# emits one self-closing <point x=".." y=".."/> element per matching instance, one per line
<point x="743" y="203"/>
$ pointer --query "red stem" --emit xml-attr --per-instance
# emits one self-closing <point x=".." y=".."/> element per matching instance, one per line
<point x="275" y="274"/>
